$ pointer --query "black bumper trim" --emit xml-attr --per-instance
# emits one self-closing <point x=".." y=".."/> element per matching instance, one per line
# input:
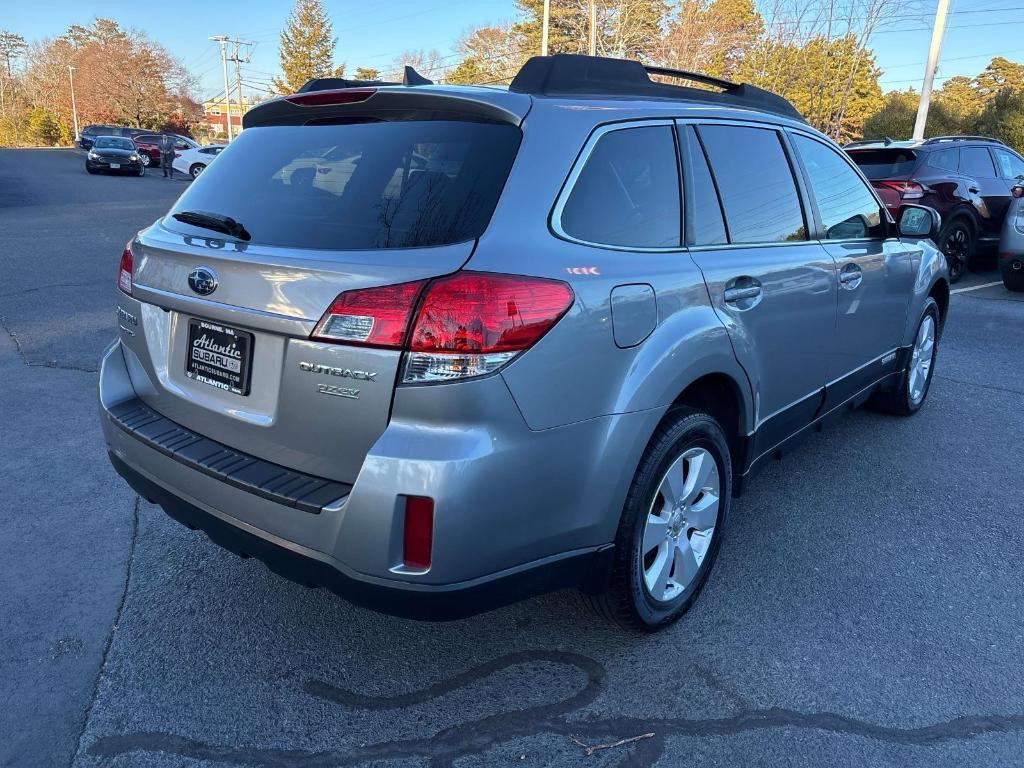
<point x="306" y="493"/>
<point x="588" y="570"/>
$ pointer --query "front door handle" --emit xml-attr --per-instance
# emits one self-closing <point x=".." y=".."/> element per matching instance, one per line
<point x="973" y="190"/>
<point x="851" y="276"/>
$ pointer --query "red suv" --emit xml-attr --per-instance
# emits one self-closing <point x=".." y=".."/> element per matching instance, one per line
<point x="967" y="179"/>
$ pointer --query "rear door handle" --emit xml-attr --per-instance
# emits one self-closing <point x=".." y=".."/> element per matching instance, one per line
<point x="851" y="276"/>
<point x="973" y="190"/>
<point x="733" y="295"/>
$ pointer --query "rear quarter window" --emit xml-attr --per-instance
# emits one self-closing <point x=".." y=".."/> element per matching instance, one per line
<point x="376" y="185"/>
<point x="627" y="193"/>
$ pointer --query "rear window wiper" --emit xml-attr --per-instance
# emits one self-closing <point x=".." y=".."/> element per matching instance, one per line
<point x="215" y="221"/>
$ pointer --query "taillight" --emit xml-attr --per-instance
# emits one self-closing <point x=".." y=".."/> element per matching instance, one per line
<point x="327" y="98"/>
<point x="418" y="532"/>
<point x="908" y="190"/>
<point x="468" y="324"/>
<point x="373" y="317"/>
<point x="125" y="271"/>
<point x="472" y="323"/>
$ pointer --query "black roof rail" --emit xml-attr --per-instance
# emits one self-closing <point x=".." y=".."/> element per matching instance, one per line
<point x="863" y="142"/>
<point x="567" y="74"/>
<point x="938" y="139"/>
<point x="410" y="77"/>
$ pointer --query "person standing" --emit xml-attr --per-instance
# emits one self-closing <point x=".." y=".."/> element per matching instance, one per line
<point x="167" y="156"/>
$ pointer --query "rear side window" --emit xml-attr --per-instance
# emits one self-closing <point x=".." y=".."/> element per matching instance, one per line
<point x="1010" y="166"/>
<point x="627" y="193"/>
<point x="976" y="161"/>
<point x="704" y="222"/>
<point x="755" y="182"/>
<point x="400" y="184"/>
<point x="847" y="208"/>
<point x="885" y="163"/>
<point x="945" y="159"/>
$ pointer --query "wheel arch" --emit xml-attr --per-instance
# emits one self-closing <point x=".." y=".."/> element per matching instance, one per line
<point x="940" y="292"/>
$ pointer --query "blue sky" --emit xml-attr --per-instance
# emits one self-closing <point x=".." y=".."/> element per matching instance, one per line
<point x="977" y="31"/>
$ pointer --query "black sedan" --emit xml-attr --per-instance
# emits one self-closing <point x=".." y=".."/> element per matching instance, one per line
<point x="116" y="154"/>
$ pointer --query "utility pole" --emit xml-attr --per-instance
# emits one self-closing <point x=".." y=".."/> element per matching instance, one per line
<point x="235" y="57"/>
<point x="545" y="23"/>
<point x="74" y="109"/>
<point x="938" y="30"/>
<point x="593" y="28"/>
<point x="223" y="40"/>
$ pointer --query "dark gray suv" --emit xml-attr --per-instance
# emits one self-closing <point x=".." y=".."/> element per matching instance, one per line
<point x="439" y="348"/>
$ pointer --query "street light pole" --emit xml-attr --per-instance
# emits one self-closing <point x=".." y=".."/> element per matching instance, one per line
<point x="545" y="22"/>
<point x="593" y="28"/>
<point x="74" y="109"/>
<point x="938" y="29"/>
<point x="223" y="40"/>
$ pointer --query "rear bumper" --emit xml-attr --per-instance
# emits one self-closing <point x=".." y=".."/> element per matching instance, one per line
<point x="497" y="539"/>
<point x="313" y="569"/>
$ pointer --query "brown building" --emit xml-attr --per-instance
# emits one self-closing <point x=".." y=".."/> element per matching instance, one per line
<point x="216" y="114"/>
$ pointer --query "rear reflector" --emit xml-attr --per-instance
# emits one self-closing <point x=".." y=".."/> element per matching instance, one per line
<point x="373" y="317"/>
<point x="418" y="537"/>
<point x="124" y="272"/>
<point x="327" y="98"/>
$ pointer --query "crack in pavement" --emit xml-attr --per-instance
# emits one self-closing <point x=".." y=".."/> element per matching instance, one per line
<point x="993" y="387"/>
<point x="477" y="736"/>
<point x="49" y="364"/>
<point x="129" y="563"/>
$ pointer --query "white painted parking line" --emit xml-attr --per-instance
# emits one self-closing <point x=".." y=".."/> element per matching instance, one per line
<point x="977" y="287"/>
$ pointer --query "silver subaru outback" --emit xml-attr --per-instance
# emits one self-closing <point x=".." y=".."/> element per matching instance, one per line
<point x="439" y="348"/>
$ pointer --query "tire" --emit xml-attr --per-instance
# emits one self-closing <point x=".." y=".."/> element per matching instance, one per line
<point x="629" y="598"/>
<point x="957" y="244"/>
<point x="195" y="169"/>
<point x="142" y="170"/>
<point x="910" y="395"/>
<point x="1013" y="281"/>
<point x="146" y="159"/>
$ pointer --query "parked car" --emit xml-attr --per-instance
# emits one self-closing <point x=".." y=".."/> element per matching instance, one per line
<point x="90" y="132"/>
<point x="967" y="179"/>
<point x="149" y="145"/>
<point x="114" y="153"/>
<point x="543" y="358"/>
<point x="1011" y="244"/>
<point x="193" y="160"/>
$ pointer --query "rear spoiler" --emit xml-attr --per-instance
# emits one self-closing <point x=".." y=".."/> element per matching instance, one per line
<point x="323" y="101"/>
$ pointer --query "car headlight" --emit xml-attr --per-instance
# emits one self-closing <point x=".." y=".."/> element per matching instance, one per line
<point x="93" y="156"/>
<point x="134" y="158"/>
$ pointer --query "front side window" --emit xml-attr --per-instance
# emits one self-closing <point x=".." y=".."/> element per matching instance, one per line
<point x="976" y="161"/>
<point x="1010" y="166"/>
<point x="846" y="206"/>
<point x="755" y="183"/>
<point x="627" y="193"/>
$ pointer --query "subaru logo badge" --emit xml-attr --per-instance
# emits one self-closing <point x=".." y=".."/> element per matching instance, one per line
<point x="202" y="280"/>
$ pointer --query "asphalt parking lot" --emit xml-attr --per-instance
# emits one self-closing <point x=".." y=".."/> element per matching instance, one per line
<point x="867" y="607"/>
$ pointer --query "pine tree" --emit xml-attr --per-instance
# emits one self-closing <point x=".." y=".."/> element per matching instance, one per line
<point x="307" y="47"/>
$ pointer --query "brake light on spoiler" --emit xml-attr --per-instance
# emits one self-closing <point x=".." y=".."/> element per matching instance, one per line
<point x="466" y="324"/>
<point x="327" y="98"/>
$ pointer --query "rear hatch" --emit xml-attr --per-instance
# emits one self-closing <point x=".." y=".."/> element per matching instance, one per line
<point x="889" y="170"/>
<point x="315" y="201"/>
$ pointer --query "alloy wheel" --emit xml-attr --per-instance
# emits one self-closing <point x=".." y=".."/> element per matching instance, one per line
<point x="921" y="360"/>
<point x="680" y="524"/>
<point x="956" y="248"/>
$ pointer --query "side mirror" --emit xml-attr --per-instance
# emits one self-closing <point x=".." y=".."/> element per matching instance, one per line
<point x="919" y="221"/>
<point x="1017" y="190"/>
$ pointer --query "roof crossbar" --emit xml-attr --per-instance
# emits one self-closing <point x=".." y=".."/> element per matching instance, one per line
<point x="572" y="74"/>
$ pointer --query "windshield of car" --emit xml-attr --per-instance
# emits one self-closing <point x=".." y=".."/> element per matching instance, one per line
<point x="394" y="184"/>
<point x="885" y="163"/>
<point x="113" y="142"/>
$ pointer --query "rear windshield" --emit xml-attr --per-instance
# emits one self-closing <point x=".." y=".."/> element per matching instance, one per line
<point x="884" y="163"/>
<point x="358" y="186"/>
